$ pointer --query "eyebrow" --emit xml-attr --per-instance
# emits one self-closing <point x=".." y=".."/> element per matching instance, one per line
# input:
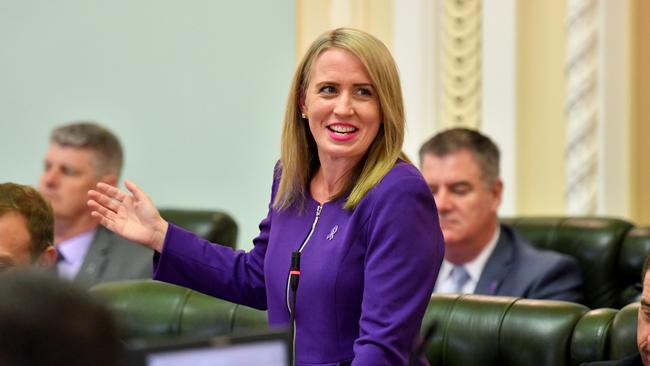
<point x="337" y="84"/>
<point x="460" y="184"/>
<point x="452" y="185"/>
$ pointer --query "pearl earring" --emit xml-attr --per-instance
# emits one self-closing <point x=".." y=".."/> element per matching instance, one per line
<point x="304" y="116"/>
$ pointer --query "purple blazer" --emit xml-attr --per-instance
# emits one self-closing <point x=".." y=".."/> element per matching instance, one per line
<point x="367" y="274"/>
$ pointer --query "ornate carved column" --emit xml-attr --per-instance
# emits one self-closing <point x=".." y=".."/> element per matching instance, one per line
<point x="460" y="63"/>
<point x="581" y="107"/>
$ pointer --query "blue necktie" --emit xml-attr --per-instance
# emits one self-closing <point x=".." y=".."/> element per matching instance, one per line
<point x="459" y="278"/>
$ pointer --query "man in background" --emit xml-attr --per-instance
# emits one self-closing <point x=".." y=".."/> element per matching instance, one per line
<point x="79" y="156"/>
<point x="26" y="228"/>
<point x="482" y="256"/>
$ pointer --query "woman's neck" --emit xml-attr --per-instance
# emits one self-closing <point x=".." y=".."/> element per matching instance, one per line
<point x="331" y="178"/>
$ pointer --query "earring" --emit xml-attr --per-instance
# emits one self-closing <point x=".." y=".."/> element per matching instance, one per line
<point x="304" y="116"/>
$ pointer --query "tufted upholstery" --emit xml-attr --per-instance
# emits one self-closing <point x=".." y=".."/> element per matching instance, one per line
<point x="635" y="247"/>
<point x="215" y="226"/>
<point x="622" y="338"/>
<point x="153" y="309"/>
<point x="590" y="340"/>
<point x="488" y="330"/>
<point x="595" y="242"/>
<point x="471" y="329"/>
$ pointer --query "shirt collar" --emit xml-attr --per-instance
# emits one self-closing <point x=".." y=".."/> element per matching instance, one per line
<point x="74" y="249"/>
<point x="474" y="267"/>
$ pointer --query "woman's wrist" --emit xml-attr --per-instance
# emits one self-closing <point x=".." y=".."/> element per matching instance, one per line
<point x="159" y="235"/>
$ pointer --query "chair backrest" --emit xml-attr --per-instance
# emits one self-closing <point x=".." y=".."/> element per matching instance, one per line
<point x="622" y="338"/>
<point x="214" y="226"/>
<point x="590" y="336"/>
<point x="471" y="329"/>
<point x="636" y="246"/>
<point x="506" y="331"/>
<point x="153" y="309"/>
<point x="491" y="330"/>
<point x="595" y="242"/>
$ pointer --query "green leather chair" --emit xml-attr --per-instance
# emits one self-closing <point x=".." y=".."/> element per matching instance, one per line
<point x="596" y="244"/>
<point x="622" y="337"/>
<point x="635" y="247"/>
<point x="589" y="341"/>
<point x="214" y="226"/>
<point x="153" y="309"/>
<point x="471" y="329"/>
<point x="491" y="330"/>
<point x="506" y="331"/>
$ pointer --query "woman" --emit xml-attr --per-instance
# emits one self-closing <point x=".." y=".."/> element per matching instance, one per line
<point x="343" y="195"/>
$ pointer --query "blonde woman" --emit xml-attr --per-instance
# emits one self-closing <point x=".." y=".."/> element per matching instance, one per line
<point x="343" y="196"/>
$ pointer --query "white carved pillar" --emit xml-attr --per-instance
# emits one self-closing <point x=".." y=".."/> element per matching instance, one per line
<point x="581" y="107"/>
<point x="460" y="63"/>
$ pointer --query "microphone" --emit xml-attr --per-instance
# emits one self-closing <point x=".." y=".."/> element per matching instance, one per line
<point x="294" y="278"/>
<point x="294" y="272"/>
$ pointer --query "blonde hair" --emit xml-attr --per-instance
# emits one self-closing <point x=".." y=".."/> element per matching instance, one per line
<point x="299" y="155"/>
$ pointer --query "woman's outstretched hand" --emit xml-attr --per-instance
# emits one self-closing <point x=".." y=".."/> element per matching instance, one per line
<point x="133" y="216"/>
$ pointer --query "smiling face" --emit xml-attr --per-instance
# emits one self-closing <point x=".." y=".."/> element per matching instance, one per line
<point x="467" y="207"/>
<point x="342" y="106"/>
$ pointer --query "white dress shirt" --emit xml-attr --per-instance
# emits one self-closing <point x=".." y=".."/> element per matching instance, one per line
<point x="474" y="268"/>
<point x="72" y="254"/>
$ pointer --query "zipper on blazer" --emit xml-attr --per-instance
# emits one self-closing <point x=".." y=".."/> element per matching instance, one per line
<point x="302" y="246"/>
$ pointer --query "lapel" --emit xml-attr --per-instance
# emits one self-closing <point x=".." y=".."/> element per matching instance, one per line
<point x="497" y="267"/>
<point x="95" y="261"/>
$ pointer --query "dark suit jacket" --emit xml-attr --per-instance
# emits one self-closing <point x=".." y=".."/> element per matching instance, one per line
<point x="113" y="258"/>
<point x="634" y="360"/>
<point x="518" y="269"/>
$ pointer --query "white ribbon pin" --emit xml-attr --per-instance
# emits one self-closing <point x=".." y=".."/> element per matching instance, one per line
<point x="330" y="236"/>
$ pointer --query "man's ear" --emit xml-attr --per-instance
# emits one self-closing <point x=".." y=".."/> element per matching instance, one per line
<point x="47" y="258"/>
<point x="497" y="193"/>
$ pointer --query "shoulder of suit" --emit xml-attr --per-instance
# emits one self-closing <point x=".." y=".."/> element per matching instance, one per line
<point x="530" y="252"/>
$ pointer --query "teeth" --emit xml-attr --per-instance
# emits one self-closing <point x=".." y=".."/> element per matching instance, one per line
<point x="342" y="129"/>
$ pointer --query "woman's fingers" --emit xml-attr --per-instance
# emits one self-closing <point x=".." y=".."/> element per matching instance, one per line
<point x="103" y="200"/>
<point x="101" y="210"/>
<point x="111" y="191"/>
<point x="135" y="190"/>
<point x="109" y="224"/>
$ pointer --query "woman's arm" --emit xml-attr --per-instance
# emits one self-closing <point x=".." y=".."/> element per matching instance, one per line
<point x="404" y="254"/>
